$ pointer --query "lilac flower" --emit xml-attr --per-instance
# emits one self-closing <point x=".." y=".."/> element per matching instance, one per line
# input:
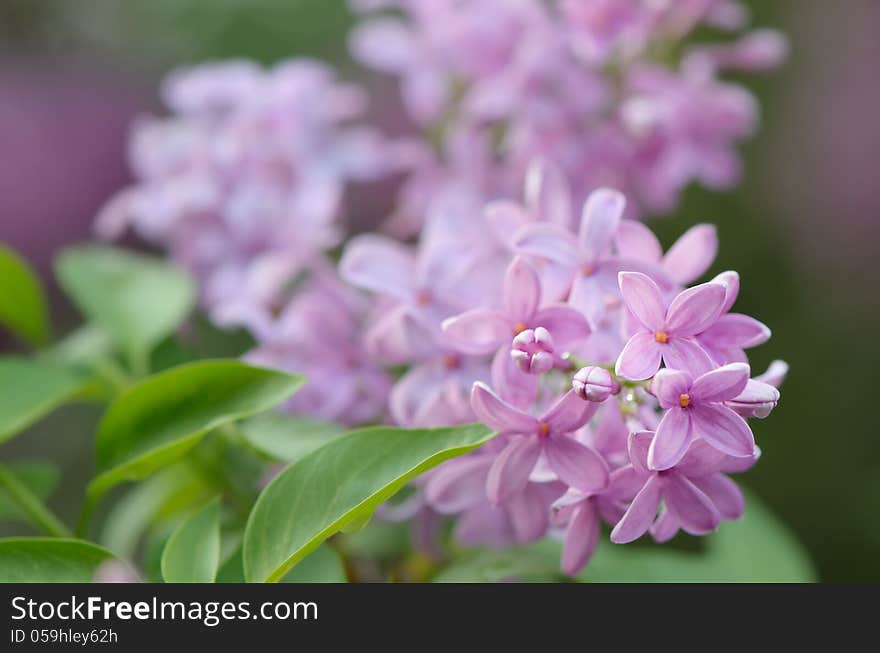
<point x="591" y="266"/>
<point x="685" y="262"/>
<point x="550" y="435"/>
<point x="696" y="494"/>
<point x="726" y="339"/>
<point x="666" y="333"/>
<point x="484" y="330"/>
<point x="757" y="399"/>
<point x="695" y="408"/>
<point x="594" y="384"/>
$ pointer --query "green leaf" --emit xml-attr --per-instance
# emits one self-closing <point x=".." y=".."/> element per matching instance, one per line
<point x="340" y="483"/>
<point x="41" y="478"/>
<point x="30" y="390"/>
<point x="158" y="420"/>
<point x="50" y="560"/>
<point x="287" y="438"/>
<point x="137" y="299"/>
<point x="322" y="565"/>
<point x="192" y="553"/>
<point x="22" y="302"/>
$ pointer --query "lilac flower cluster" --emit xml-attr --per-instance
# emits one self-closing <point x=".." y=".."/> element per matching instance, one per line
<point x="609" y="90"/>
<point x="620" y="391"/>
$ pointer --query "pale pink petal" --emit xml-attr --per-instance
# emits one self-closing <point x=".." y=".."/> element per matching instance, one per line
<point x="730" y="281"/>
<point x="638" y="445"/>
<point x="724" y="494"/>
<point x="568" y="413"/>
<point x="484" y="525"/>
<point x="566" y="324"/>
<point x="505" y="218"/>
<point x="641" y="513"/>
<point x="758" y="399"/>
<point x="521" y="294"/>
<point x="529" y="514"/>
<point x="624" y="483"/>
<point x="702" y="459"/>
<point x="694" y="510"/>
<point x="643" y="297"/>
<point x="694" y="310"/>
<point x="721" y="384"/>
<point x="666" y="526"/>
<point x="687" y="355"/>
<point x="478" y="331"/>
<point x="386" y="44"/>
<point x="634" y="240"/>
<point x="736" y="330"/>
<point x="775" y="374"/>
<point x="640" y="358"/>
<point x="692" y="254"/>
<point x="458" y="484"/>
<point x="548" y="241"/>
<point x="547" y="194"/>
<point x="514" y="386"/>
<point x="601" y="216"/>
<point x="669" y="385"/>
<point x="380" y="265"/>
<point x="510" y="471"/>
<point x="576" y="464"/>
<point x="671" y="442"/>
<point x="724" y="429"/>
<point x="581" y="538"/>
<point x="499" y="415"/>
<point x="586" y="295"/>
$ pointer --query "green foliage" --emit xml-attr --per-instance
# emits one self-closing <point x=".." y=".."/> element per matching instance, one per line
<point x="286" y="438"/>
<point x="39" y="477"/>
<point x="158" y="420"/>
<point x="50" y="560"/>
<point x="339" y="484"/>
<point x="137" y="300"/>
<point x="22" y="302"/>
<point x="322" y="565"/>
<point x="30" y="390"/>
<point x="192" y="553"/>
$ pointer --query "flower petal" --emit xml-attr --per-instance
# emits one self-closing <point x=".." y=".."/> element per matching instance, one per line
<point x="730" y="281"/>
<point x="723" y="429"/>
<point x="668" y="385"/>
<point x="566" y="324"/>
<point x="546" y="241"/>
<point x="702" y="459"/>
<point x="694" y="310"/>
<point x="547" y="194"/>
<point x="624" y="483"/>
<point x="529" y="513"/>
<point x="505" y="218"/>
<point x="510" y="471"/>
<point x="724" y="494"/>
<point x="581" y="538"/>
<point x="499" y="415"/>
<point x="721" y="384"/>
<point x="569" y="413"/>
<point x="775" y="374"/>
<point x="601" y="217"/>
<point x="758" y="399"/>
<point x="634" y="240"/>
<point x="478" y="331"/>
<point x="666" y="527"/>
<point x="643" y="298"/>
<point x="736" y="330"/>
<point x="671" y="442"/>
<point x="576" y="464"/>
<point x="687" y="355"/>
<point x="695" y="511"/>
<point x="458" y="484"/>
<point x="380" y="265"/>
<point x="640" y="358"/>
<point x="521" y="294"/>
<point x="641" y="513"/>
<point x="638" y="445"/>
<point x="692" y="254"/>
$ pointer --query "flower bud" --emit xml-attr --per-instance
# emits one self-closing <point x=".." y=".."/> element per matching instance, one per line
<point x="532" y="351"/>
<point x="757" y="400"/>
<point x="594" y="384"/>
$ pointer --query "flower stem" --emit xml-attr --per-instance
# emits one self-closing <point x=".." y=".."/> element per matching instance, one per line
<point x="37" y="513"/>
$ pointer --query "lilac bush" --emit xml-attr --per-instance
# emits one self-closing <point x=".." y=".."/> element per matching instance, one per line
<point x="515" y="282"/>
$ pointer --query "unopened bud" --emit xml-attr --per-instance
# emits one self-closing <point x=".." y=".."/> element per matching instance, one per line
<point x="532" y="351"/>
<point x="594" y="384"/>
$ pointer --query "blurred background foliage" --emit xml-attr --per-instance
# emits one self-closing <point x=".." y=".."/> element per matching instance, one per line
<point x="802" y="229"/>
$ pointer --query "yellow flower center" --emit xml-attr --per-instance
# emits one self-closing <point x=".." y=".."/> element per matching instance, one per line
<point x="684" y="400"/>
<point x="661" y="336"/>
<point x="519" y="328"/>
<point x="544" y="429"/>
